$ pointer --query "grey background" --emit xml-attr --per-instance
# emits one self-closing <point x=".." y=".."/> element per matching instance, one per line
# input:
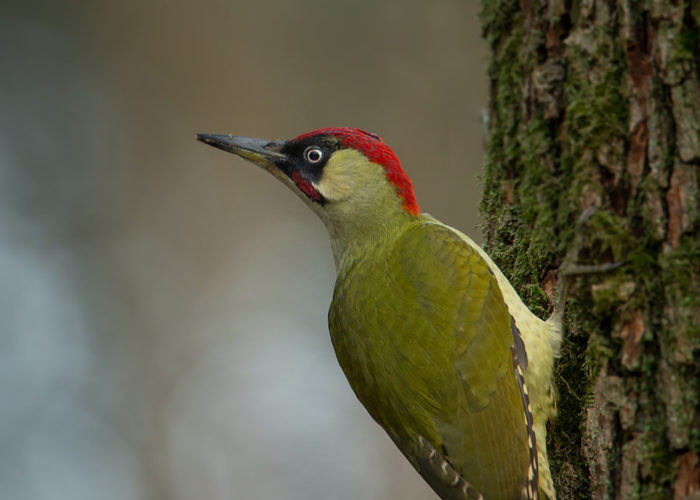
<point x="163" y="304"/>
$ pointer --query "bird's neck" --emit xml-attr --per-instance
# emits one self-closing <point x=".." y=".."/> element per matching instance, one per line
<point x="354" y="237"/>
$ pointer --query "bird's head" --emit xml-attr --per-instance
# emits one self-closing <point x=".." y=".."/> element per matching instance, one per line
<point x="349" y="177"/>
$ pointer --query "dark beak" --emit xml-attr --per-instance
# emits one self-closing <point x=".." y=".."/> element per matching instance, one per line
<point x="259" y="151"/>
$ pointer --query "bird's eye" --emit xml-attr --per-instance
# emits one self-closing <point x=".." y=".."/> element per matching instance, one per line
<point x="313" y="154"/>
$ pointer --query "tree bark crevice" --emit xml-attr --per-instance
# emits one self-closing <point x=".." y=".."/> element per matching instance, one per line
<point x="597" y="104"/>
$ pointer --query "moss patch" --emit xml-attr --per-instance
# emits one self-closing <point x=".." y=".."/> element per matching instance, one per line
<point x="574" y="142"/>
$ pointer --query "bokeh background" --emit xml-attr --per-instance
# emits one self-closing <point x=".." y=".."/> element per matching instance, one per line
<point x="163" y="304"/>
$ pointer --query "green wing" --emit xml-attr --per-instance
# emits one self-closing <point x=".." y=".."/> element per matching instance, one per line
<point x="485" y="436"/>
<point x="429" y="351"/>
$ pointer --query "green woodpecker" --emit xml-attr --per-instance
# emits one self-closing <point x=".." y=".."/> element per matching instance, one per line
<point x="432" y="337"/>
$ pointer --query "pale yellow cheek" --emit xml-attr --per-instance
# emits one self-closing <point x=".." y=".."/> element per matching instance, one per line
<point x="335" y="188"/>
<point x="346" y="170"/>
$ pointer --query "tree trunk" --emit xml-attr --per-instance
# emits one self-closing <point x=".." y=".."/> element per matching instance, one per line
<point x="595" y="108"/>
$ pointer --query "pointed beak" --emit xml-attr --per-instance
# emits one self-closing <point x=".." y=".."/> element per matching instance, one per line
<point x="259" y="151"/>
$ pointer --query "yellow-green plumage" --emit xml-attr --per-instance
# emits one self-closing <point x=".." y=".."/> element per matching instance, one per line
<point x="427" y="351"/>
<point x="432" y="337"/>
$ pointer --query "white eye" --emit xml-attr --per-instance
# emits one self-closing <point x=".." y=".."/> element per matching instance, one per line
<point x="313" y="154"/>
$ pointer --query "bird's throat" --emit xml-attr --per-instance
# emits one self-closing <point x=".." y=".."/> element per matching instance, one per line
<point x="352" y="243"/>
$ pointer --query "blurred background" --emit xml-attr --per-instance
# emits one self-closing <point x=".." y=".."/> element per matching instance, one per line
<point x="163" y="304"/>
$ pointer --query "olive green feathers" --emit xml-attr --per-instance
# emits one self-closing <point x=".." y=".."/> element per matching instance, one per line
<point x="428" y="349"/>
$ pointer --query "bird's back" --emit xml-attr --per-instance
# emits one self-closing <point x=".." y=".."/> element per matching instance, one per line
<point x="423" y="334"/>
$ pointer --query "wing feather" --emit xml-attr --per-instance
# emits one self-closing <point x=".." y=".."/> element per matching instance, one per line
<point x="428" y="349"/>
<point x="484" y="437"/>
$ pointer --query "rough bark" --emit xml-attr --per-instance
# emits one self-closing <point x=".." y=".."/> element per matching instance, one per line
<point x="596" y="105"/>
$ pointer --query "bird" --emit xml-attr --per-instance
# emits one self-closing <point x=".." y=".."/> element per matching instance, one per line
<point x="433" y="339"/>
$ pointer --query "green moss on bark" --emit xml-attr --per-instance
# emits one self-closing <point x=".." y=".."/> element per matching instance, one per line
<point x="583" y="116"/>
